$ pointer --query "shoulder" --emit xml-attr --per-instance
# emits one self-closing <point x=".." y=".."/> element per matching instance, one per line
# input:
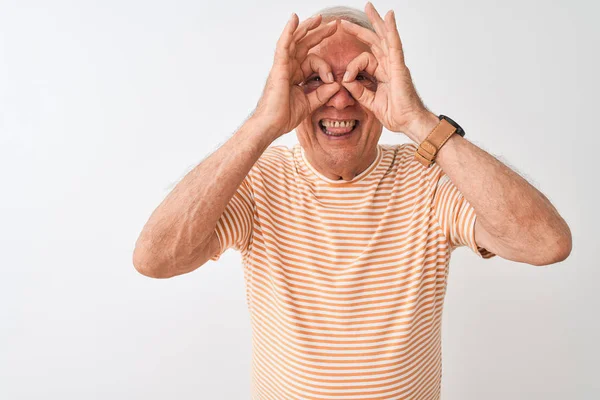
<point x="402" y="153"/>
<point x="410" y="168"/>
<point x="275" y="151"/>
<point x="278" y="154"/>
<point x="273" y="160"/>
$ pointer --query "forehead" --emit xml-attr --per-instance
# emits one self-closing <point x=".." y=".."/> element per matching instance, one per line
<point x="339" y="49"/>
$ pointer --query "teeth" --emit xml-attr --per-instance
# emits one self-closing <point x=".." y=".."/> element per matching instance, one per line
<point x="338" y="124"/>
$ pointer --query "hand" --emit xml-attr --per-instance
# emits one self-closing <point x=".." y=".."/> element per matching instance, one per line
<point x="284" y="104"/>
<point x="395" y="102"/>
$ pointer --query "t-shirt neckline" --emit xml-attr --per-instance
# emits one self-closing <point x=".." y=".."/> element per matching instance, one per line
<point x="372" y="167"/>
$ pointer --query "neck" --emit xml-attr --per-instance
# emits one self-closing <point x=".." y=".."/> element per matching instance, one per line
<point x="341" y="170"/>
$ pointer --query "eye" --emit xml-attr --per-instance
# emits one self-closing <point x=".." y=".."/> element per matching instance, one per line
<point x="364" y="77"/>
<point x="312" y="82"/>
<point x="367" y="80"/>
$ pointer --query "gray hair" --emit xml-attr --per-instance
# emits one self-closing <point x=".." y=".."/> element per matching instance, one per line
<point x="351" y="14"/>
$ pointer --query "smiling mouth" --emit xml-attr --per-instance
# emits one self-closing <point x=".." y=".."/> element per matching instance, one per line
<point x="338" y="128"/>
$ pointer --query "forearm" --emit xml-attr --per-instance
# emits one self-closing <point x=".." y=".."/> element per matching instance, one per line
<point x="181" y="225"/>
<point x="510" y="209"/>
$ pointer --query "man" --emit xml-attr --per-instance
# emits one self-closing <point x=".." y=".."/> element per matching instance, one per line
<point x="346" y="242"/>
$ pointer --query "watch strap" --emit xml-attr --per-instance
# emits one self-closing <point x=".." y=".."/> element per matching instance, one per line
<point x="428" y="149"/>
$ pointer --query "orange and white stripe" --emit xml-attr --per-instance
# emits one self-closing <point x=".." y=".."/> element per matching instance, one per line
<point x="345" y="281"/>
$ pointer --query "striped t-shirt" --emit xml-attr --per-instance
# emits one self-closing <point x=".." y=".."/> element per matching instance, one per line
<point x="345" y="280"/>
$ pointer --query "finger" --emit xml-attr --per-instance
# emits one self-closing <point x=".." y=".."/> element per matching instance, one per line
<point x="301" y="34"/>
<point x="376" y="21"/>
<point x="306" y="26"/>
<point x="285" y="40"/>
<point x="363" y="95"/>
<point x="365" y="61"/>
<point x="313" y="38"/>
<point x="313" y="63"/>
<point x="365" y="35"/>
<point x="394" y="37"/>
<point x="318" y="97"/>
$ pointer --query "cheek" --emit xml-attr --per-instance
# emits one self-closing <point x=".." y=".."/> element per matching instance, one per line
<point x="306" y="126"/>
<point x="371" y="117"/>
<point x="371" y="122"/>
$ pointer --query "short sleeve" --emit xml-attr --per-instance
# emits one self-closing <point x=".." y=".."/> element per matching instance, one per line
<point x="456" y="216"/>
<point x="234" y="227"/>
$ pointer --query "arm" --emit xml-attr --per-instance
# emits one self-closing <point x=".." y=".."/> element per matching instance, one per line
<point x="180" y="234"/>
<point x="177" y="237"/>
<point x="514" y="219"/>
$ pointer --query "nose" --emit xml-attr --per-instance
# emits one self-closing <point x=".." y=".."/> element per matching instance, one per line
<point x="341" y="99"/>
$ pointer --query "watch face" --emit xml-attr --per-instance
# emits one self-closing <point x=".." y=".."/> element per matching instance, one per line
<point x="459" y="130"/>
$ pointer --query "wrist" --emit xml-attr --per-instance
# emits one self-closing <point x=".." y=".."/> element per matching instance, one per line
<point x="421" y="126"/>
<point x="266" y="129"/>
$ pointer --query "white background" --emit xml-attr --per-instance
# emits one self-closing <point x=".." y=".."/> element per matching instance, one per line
<point x="105" y="105"/>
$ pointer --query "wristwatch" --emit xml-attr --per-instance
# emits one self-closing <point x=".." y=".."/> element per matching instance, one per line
<point x="428" y="149"/>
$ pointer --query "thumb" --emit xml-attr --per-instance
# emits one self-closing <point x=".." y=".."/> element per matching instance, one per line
<point x="363" y="95"/>
<point x="318" y="97"/>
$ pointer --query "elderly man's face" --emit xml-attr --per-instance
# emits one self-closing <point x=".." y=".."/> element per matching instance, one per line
<point x="347" y="155"/>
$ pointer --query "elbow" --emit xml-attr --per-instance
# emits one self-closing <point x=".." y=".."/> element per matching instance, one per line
<point x="564" y="248"/>
<point x="564" y="245"/>
<point x="145" y="265"/>
<point x="559" y="250"/>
